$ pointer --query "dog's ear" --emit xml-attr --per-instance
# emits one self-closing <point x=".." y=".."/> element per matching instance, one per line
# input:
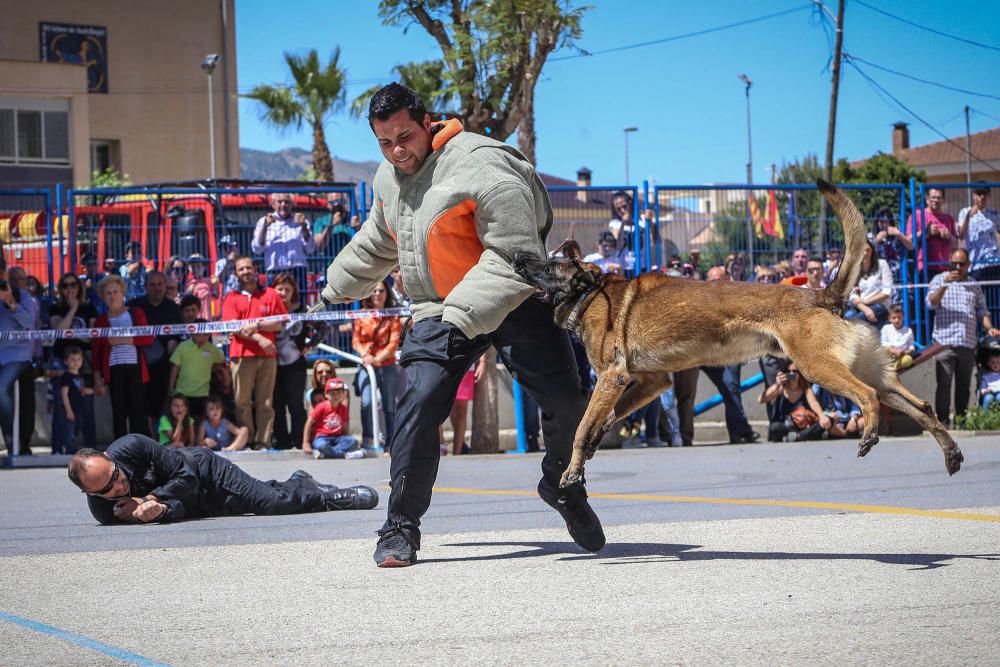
<point x="587" y="274"/>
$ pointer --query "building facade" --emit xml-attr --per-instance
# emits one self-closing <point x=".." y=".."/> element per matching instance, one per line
<point x="119" y="84"/>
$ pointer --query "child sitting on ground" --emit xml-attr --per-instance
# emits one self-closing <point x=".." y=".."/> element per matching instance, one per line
<point x="176" y="428"/>
<point x="841" y="416"/>
<point x="69" y="410"/>
<point x="218" y="433"/>
<point x="329" y="420"/>
<point x="989" y="383"/>
<point x="897" y="339"/>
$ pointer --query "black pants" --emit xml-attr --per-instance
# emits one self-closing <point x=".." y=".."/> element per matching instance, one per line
<point x="956" y="363"/>
<point x="289" y="394"/>
<point x="685" y="388"/>
<point x="156" y="388"/>
<point x="436" y="355"/>
<point x="231" y="491"/>
<point x="128" y="400"/>
<point x="26" y="406"/>
<point x="727" y="380"/>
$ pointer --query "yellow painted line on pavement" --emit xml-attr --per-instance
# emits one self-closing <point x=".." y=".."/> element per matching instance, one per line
<point x="870" y="509"/>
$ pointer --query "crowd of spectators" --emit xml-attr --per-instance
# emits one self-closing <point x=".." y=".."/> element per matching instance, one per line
<point x="187" y="391"/>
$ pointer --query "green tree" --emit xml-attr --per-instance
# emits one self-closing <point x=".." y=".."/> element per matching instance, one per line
<point x="109" y="178"/>
<point x="426" y="78"/>
<point x="317" y="92"/>
<point x="493" y="54"/>
<point x="880" y="168"/>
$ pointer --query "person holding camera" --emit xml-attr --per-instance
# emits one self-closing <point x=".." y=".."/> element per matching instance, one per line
<point x="285" y="239"/>
<point x="16" y="314"/>
<point x="958" y="306"/>
<point x="331" y="232"/>
<point x="795" y="411"/>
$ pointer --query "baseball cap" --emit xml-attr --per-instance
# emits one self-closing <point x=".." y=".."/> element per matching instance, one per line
<point x="334" y="383"/>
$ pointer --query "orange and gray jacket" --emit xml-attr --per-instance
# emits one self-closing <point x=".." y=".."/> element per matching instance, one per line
<point x="453" y="227"/>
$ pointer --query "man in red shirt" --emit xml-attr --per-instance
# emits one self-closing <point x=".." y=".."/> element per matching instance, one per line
<point x="329" y="420"/>
<point x="253" y="356"/>
<point x="940" y="229"/>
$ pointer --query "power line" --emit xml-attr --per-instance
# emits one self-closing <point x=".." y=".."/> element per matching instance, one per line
<point x="919" y="80"/>
<point x="686" y="35"/>
<point x="983" y="113"/>
<point x="179" y="90"/>
<point x="957" y="38"/>
<point x="910" y="111"/>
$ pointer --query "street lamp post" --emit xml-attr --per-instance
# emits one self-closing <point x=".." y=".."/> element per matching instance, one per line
<point x="208" y="65"/>
<point x="745" y="79"/>
<point x="627" y="131"/>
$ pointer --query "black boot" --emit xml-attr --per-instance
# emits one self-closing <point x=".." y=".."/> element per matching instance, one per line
<point x="352" y="498"/>
<point x="581" y="521"/>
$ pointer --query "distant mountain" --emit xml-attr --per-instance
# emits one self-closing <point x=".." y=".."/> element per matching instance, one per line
<point x="290" y="163"/>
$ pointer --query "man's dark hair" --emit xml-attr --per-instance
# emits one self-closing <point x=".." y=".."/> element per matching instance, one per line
<point x="390" y="99"/>
<point x="78" y="462"/>
<point x="896" y="309"/>
<point x="815" y="258"/>
<point x="981" y="189"/>
<point x="190" y="300"/>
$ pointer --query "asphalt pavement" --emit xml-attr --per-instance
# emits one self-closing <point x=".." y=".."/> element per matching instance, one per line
<point x="770" y="553"/>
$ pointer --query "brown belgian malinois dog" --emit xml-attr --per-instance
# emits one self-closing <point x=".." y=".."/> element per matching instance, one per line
<point x="638" y="331"/>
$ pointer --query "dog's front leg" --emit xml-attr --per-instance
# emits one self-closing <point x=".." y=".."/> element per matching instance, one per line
<point x="598" y="418"/>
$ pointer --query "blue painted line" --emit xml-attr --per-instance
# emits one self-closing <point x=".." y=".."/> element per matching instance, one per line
<point x="80" y="640"/>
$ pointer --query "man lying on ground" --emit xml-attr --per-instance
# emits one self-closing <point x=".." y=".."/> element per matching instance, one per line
<point x="139" y="481"/>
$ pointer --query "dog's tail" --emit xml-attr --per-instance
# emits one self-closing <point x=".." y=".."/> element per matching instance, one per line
<point x="855" y="241"/>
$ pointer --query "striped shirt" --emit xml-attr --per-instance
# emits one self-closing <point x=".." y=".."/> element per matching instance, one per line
<point x="123" y="354"/>
<point x="956" y="317"/>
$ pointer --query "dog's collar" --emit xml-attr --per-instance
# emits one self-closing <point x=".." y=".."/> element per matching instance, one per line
<point x="577" y="310"/>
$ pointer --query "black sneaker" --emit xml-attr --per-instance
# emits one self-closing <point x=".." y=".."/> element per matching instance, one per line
<point x="581" y="521"/>
<point x="394" y="549"/>
<point x="352" y="498"/>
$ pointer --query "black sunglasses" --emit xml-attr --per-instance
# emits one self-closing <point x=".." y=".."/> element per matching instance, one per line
<point x="72" y="284"/>
<point x="107" y="487"/>
<point x="957" y="265"/>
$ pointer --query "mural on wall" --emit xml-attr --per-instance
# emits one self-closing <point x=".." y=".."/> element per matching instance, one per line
<point x="80" y="45"/>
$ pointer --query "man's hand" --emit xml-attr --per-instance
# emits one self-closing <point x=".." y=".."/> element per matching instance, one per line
<point x="265" y="343"/>
<point x="124" y="508"/>
<point x="951" y="277"/>
<point x="993" y="332"/>
<point x="249" y="330"/>
<point x="368" y="360"/>
<point x="269" y="219"/>
<point x="70" y="416"/>
<point x="211" y="443"/>
<point x="149" y="510"/>
<point x="825" y="422"/>
<point x="869" y="313"/>
<point x="7" y="295"/>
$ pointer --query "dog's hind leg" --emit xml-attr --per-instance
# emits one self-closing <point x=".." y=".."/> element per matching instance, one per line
<point x="920" y="412"/>
<point x="834" y="376"/>
<point x="597" y="419"/>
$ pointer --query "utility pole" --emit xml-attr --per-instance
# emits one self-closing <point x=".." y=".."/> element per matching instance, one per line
<point x="746" y="80"/>
<point x="968" y="154"/>
<point x="831" y="127"/>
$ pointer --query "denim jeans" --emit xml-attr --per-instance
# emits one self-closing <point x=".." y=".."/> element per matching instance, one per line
<point x="9" y="373"/>
<point x="388" y="382"/>
<point x="727" y="380"/>
<point x="881" y="315"/>
<point x="988" y="399"/>
<point x="334" y="446"/>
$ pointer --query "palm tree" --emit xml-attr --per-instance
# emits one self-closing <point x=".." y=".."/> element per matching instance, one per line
<point x="426" y="78"/>
<point x="316" y="94"/>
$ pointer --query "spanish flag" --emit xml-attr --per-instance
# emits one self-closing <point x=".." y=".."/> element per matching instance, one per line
<point x="769" y="224"/>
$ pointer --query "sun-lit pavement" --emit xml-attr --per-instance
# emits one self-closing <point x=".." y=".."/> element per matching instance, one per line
<point x="753" y="554"/>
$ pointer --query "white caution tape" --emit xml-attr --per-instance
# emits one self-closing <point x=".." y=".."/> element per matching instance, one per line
<point x="200" y="327"/>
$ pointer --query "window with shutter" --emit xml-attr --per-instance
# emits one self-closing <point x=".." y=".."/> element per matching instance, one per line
<point x="29" y="135"/>
<point x="56" y="135"/>
<point x="7" y="151"/>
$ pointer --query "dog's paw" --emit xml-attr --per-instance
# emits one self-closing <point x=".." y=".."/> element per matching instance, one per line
<point x="866" y="444"/>
<point x="953" y="460"/>
<point x="571" y="476"/>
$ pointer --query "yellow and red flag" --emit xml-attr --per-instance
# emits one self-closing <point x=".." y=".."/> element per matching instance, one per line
<point x="769" y="224"/>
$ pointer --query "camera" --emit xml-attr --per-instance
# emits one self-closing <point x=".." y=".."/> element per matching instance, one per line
<point x="792" y="375"/>
<point x="4" y="285"/>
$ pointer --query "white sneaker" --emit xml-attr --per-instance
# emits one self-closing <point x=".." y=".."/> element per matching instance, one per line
<point x="355" y="454"/>
<point x="317" y="454"/>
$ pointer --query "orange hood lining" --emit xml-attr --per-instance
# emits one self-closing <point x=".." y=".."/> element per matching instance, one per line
<point x="445" y="131"/>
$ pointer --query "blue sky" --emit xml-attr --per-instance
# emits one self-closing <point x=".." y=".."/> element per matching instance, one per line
<point x="683" y="95"/>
